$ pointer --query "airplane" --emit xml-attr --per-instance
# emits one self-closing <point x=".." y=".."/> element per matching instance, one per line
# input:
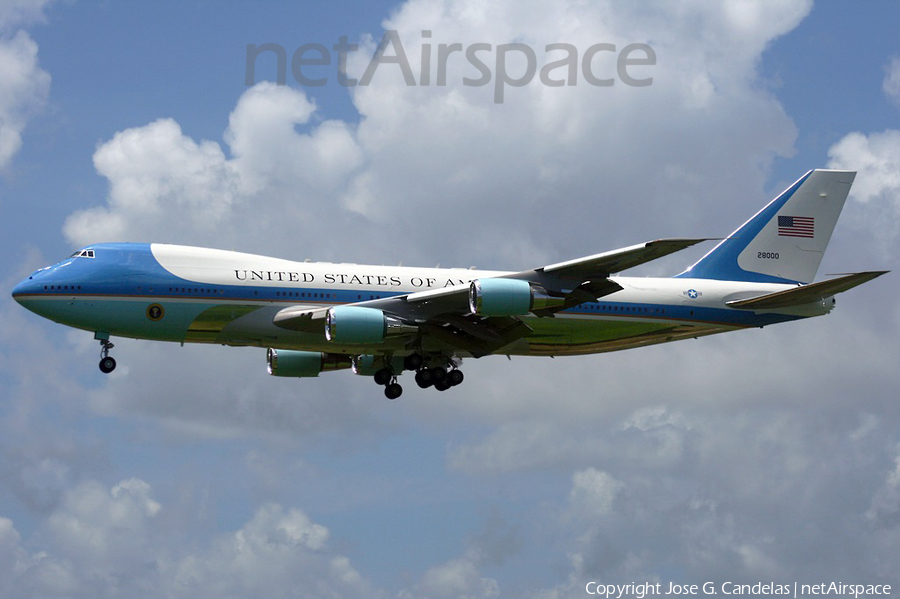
<point x="381" y="321"/>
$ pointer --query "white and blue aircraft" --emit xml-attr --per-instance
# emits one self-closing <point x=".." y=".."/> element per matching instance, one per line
<point x="380" y="321"/>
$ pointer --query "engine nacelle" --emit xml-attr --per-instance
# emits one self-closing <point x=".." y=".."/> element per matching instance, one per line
<point x="358" y="325"/>
<point x="509" y="297"/>
<point x="288" y="362"/>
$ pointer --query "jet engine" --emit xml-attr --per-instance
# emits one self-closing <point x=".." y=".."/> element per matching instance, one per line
<point x="288" y="362"/>
<point x="357" y="325"/>
<point x="509" y="297"/>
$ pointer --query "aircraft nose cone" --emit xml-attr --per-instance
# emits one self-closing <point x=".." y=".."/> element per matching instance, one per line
<point x="25" y="288"/>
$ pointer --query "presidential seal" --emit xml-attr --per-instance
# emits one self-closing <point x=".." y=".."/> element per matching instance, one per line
<point x="155" y="312"/>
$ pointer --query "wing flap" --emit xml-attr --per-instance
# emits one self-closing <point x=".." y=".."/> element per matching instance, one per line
<point x="301" y="318"/>
<point x="807" y="293"/>
<point x="434" y="294"/>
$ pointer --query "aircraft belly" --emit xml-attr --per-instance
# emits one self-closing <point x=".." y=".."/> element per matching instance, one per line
<point x="255" y="327"/>
<point x="559" y="336"/>
<point x="252" y="325"/>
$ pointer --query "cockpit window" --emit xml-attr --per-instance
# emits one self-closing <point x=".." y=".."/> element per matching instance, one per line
<point x="83" y="254"/>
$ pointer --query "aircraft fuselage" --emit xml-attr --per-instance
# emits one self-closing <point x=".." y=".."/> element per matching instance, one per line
<point x="198" y="295"/>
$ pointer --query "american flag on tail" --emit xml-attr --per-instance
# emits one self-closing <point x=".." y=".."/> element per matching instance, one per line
<point x="796" y="226"/>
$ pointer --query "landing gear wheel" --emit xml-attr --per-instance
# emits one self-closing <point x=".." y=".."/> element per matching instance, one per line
<point x="383" y="376"/>
<point x="424" y="378"/>
<point x="413" y="361"/>
<point x="455" y="377"/>
<point x="393" y="391"/>
<point x="438" y="374"/>
<point x="442" y="385"/>
<point x="107" y="364"/>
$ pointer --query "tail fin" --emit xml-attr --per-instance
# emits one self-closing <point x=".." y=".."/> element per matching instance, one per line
<point x="784" y="242"/>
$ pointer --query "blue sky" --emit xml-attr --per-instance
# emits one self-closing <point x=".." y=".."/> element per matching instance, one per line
<point x="764" y="455"/>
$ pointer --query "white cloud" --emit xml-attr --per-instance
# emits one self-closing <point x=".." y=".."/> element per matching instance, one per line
<point x="278" y="553"/>
<point x="25" y="86"/>
<point x="748" y="505"/>
<point x="164" y="186"/>
<point x="156" y="172"/>
<point x="548" y="153"/>
<point x="876" y="158"/>
<point x="12" y="556"/>
<point x="118" y="541"/>
<point x="891" y="83"/>
<point x="24" y="90"/>
<point x="593" y="491"/>
<point x="886" y="502"/>
<point x="462" y="577"/>
<point x="16" y="13"/>
<point x="268" y="150"/>
<point x="457" y="578"/>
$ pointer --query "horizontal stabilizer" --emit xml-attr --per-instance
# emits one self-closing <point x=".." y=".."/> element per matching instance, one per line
<point x="805" y="294"/>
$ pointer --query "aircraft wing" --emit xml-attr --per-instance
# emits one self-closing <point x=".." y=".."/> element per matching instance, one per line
<point x="805" y="294"/>
<point x="445" y="313"/>
<point x="587" y="279"/>
<point x="607" y="263"/>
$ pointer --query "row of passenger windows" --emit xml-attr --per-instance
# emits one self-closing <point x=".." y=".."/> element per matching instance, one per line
<point x="62" y="287"/>
<point x="195" y="290"/>
<point x="313" y="294"/>
<point x="628" y="309"/>
<point x="211" y="291"/>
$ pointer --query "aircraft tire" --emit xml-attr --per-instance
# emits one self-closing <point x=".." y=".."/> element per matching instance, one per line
<point x="438" y="374"/>
<point x="455" y="377"/>
<point x="424" y="378"/>
<point x="383" y="376"/>
<point x="413" y="361"/>
<point x="393" y="391"/>
<point x="107" y="365"/>
<point x="442" y="385"/>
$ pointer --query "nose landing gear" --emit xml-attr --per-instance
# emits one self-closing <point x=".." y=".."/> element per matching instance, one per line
<point x="107" y="362"/>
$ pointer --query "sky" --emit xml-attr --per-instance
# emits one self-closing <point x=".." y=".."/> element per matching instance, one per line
<point x="758" y="456"/>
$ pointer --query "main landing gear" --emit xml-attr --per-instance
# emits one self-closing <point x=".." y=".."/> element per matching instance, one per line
<point x="439" y="377"/>
<point x="442" y="376"/>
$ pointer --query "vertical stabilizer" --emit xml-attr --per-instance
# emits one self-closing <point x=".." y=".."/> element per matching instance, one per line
<point x="784" y="242"/>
